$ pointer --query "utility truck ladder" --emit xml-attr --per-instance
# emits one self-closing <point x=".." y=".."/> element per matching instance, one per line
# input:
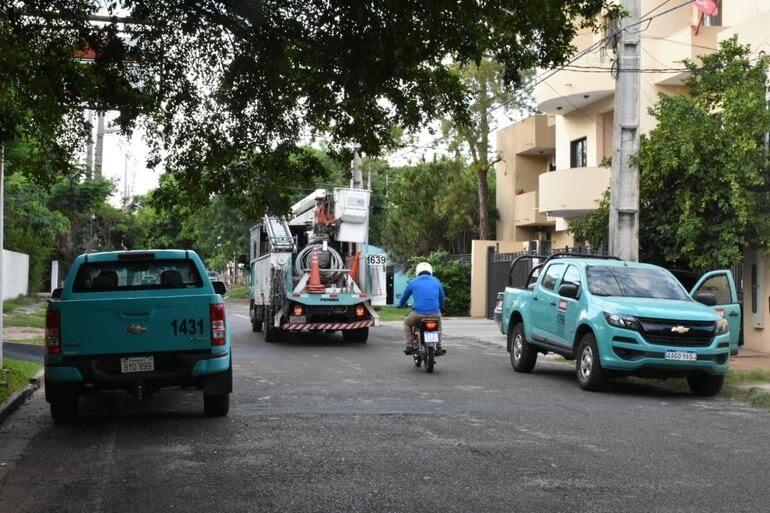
<point x="279" y="235"/>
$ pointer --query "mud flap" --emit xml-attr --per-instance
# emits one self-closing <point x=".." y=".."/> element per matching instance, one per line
<point x="61" y="392"/>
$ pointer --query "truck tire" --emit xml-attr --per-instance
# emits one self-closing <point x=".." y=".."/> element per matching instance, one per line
<point x="256" y="320"/>
<point x="590" y="373"/>
<point x="271" y="333"/>
<point x="359" y="336"/>
<point x="216" y="405"/>
<point x="65" y="412"/>
<point x="523" y="354"/>
<point x="705" y="385"/>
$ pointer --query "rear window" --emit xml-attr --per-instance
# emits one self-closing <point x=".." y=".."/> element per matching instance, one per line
<point x="137" y="275"/>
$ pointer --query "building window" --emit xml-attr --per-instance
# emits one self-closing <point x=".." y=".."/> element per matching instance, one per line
<point x="713" y="21"/>
<point x="578" y="153"/>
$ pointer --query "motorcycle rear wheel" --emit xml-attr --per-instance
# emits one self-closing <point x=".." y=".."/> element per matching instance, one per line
<point x="430" y="360"/>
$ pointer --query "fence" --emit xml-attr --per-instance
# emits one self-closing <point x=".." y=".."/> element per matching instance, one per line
<point x="498" y="268"/>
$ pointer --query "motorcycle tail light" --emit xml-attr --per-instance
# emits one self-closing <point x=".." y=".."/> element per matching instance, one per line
<point x="431" y="325"/>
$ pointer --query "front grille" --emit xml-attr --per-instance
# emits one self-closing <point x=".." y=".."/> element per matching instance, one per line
<point x="659" y="332"/>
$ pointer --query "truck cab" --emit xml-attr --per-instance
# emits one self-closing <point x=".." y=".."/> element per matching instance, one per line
<point x="620" y="318"/>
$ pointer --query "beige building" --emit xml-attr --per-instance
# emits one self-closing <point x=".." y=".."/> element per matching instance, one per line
<point x="563" y="148"/>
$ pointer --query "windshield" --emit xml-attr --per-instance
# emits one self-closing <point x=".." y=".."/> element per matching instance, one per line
<point x="634" y="282"/>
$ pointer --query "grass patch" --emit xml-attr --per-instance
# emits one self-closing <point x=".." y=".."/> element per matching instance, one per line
<point x="391" y="313"/>
<point x="747" y="377"/>
<point x="18" y="376"/>
<point x="38" y="341"/>
<point x="13" y="304"/>
<point x="33" y="320"/>
<point x="237" y="292"/>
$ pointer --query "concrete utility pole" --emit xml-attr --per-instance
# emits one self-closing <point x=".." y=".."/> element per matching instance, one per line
<point x="90" y="148"/>
<point x="624" y="192"/>
<point x="99" y="145"/>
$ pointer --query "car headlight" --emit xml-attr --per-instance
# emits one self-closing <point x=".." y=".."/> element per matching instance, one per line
<point x="722" y="327"/>
<point x="622" y="321"/>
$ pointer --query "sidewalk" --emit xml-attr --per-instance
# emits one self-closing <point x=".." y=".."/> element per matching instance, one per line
<point x="486" y="330"/>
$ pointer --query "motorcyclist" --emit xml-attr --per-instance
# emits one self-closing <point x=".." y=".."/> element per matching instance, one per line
<point x="428" y="302"/>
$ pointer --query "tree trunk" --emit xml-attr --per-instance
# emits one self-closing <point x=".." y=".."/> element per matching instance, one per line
<point x="484" y="229"/>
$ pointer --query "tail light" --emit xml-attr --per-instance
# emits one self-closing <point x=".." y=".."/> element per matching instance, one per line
<point x="430" y="325"/>
<point x="297" y="310"/>
<point x="53" y="332"/>
<point x="360" y="311"/>
<point x="218" y="331"/>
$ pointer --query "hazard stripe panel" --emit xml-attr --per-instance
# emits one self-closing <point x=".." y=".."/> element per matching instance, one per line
<point x="315" y="326"/>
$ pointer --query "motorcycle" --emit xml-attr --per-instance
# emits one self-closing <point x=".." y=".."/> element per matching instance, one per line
<point x="428" y="333"/>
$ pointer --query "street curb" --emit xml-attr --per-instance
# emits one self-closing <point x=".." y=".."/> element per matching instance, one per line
<point x="11" y="404"/>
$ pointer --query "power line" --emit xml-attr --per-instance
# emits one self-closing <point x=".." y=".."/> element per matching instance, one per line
<point x="647" y="18"/>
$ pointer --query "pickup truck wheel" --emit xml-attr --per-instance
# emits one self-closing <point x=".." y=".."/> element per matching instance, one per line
<point x="705" y="384"/>
<point x="523" y="354"/>
<point x="216" y="405"/>
<point x="65" y="412"/>
<point x="590" y="373"/>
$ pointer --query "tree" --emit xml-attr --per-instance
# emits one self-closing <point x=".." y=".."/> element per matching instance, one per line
<point x="488" y="91"/>
<point x="214" y="81"/>
<point x="704" y="177"/>
<point x="704" y="168"/>
<point x="428" y="209"/>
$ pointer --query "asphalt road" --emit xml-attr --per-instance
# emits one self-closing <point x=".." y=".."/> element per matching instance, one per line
<point x="27" y="352"/>
<point x="320" y="425"/>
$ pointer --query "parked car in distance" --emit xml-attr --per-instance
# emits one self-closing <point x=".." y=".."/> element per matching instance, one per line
<point x="620" y="318"/>
<point x="109" y="328"/>
<point x="214" y="275"/>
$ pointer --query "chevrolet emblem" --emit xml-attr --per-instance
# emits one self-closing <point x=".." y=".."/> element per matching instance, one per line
<point x="136" y="329"/>
<point x="680" y="329"/>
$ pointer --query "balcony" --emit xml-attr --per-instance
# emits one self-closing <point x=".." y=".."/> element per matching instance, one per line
<point x="572" y="192"/>
<point x="526" y="212"/>
<point x="672" y="50"/>
<point x="534" y="136"/>
<point x="570" y="90"/>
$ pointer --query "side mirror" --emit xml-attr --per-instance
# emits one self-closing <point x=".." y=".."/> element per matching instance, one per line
<point x="219" y="287"/>
<point x="707" y="298"/>
<point x="569" y="290"/>
<point x="56" y="294"/>
<point x="243" y="259"/>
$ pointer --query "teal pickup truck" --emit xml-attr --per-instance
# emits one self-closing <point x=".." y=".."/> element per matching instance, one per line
<point x="137" y="321"/>
<point x="620" y="318"/>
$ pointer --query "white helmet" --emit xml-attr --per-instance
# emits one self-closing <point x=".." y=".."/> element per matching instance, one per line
<point x="423" y="267"/>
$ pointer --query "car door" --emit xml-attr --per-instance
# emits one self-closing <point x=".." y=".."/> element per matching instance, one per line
<point x="545" y="303"/>
<point x="568" y="309"/>
<point x="721" y="284"/>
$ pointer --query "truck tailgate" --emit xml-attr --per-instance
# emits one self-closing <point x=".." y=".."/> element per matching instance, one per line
<point x="135" y="325"/>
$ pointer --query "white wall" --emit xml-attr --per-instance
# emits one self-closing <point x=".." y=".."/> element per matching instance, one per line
<point x="15" y="274"/>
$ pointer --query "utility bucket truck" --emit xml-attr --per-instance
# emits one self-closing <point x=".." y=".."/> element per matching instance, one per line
<point x="310" y="272"/>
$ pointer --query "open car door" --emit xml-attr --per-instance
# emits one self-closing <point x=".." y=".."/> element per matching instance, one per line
<point x="722" y="285"/>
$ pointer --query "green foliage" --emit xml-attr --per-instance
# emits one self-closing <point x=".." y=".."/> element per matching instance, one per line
<point x="593" y="227"/>
<point x="704" y="177"/>
<point x="12" y="304"/>
<point x="19" y="374"/>
<point x="429" y="209"/>
<point x="30" y="227"/>
<point x="237" y="292"/>
<point x="455" y="277"/>
<point x="469" y="130"/>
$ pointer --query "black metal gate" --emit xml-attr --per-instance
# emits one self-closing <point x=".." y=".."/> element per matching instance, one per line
<point x="498" y="266"/>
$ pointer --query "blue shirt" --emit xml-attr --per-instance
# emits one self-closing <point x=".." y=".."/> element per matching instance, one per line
<point x="428" y="295"/>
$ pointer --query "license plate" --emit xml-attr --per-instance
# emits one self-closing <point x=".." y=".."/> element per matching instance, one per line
<point x="297" y="319"/>
<point x="137" y="364"/>
<point x="431" y="336"/>
<point x="681" y="355"/>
